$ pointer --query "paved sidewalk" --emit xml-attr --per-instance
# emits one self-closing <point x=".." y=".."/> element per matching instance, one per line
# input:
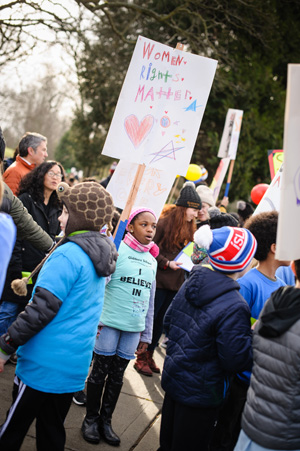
<point x="136" y="419"/>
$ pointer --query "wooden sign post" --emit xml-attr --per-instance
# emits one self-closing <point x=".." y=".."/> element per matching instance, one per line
<point x="120" y="229"/>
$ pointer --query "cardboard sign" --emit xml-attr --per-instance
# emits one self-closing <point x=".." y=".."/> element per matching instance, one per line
<point x="153" y="189"/>
<point x="160" y="107"/>
<point x="275" y="158"/>
<point x="231" y="134"/>
<point x="219" y="176"/>
<point x="288" y="232"/>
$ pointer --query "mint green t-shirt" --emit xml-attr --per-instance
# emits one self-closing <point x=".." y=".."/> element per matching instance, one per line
<point x="126" y="298"/>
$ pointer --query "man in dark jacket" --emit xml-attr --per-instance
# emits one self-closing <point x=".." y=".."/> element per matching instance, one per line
<point x="209" y="331"/>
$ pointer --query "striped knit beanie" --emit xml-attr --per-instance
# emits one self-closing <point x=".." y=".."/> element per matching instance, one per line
<point x="230" y="249"/>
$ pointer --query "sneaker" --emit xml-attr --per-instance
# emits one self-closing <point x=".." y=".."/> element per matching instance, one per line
<point x="13" y="359"/>
<point x="79" y="398"/>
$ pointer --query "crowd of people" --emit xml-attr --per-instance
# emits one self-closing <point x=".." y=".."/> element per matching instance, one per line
<point x="231" y="324"/>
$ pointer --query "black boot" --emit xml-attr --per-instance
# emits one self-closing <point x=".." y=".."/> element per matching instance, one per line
<point x="111" y="394"/>
<point x="90" y="425"/>
<point x="95" y="384"/>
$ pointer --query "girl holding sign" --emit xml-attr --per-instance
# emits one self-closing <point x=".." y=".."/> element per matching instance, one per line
<point x="175" y="229"/>
<point x="125" y="324"/>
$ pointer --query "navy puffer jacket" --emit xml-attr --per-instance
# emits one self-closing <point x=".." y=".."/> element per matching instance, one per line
<point x="208" y="326"/>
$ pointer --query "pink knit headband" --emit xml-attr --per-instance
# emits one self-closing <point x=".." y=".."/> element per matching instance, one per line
<point x="137" y="211"/>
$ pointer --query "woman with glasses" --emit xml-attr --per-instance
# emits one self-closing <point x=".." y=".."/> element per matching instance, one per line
<point x="37" y="191"/>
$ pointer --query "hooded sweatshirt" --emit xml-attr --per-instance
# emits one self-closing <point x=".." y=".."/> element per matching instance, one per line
<point x="271" y="416"/>
<point x="208" y="326"/>
<point x="57" y="331"/>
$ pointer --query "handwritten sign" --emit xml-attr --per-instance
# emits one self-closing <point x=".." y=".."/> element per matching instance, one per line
<point x="231" y="134"/>
<point x="160" y="107"/>
<point x="288" y="235"/>
<point x="275" y="158"/>
<point x="153" y="189"/>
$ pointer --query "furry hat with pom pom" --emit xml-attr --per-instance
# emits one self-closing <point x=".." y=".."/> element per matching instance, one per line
<point x="230" y="249"/>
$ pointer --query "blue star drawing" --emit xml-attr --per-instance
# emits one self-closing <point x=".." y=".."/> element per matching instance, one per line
<point x="168" y="151"/>
<point x="193" y="106"/>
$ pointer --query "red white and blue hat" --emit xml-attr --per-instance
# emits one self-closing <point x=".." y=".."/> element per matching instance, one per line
<point x="230" y="249"/>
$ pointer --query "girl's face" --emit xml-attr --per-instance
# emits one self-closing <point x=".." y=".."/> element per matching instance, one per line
<point x="63" y="219"/>
<point x="203" y="213"/>
<point x="191" y="213"/>
<point x="52" y="178"/>
<point x="143" y="228"/>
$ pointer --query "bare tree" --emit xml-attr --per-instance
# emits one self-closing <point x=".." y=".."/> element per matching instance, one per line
<point x="22" y="25"/>
<point x="40" y="107"/>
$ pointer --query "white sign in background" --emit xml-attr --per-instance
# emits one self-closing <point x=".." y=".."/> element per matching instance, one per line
<point x="160" y="107"/>
<point x="288" y="233"/>
<point x="231" y="133"/>
<point x="219" y="177"/>
<point x="271" y="199"/>
<point x="153" y="189"/>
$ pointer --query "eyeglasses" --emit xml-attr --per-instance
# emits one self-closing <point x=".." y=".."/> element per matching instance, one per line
<point x="55" y="175"/>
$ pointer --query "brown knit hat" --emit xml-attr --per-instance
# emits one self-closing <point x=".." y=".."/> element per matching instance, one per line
<point x="89" y="205"/>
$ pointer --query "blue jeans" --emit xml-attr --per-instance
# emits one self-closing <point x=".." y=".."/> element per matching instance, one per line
<point x="8" y="313"/>
<point x="112" y="341"/>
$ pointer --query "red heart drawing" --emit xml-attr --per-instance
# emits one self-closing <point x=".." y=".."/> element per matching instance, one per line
<point x="137" y="131"/>
<point x="191" y="98"/>
<point x="182" y="79"/>
<point x="166" y="112"/>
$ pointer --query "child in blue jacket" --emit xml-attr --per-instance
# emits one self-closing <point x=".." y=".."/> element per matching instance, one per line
<point x="61" y="319"/>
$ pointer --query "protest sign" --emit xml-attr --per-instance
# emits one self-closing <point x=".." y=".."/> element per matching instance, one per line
<point x="231" y="134"/>
<point x="275" y="158"/>
<point x="160" y="107"/>
<point x="152" y="191"/>
<point x="219" y="176"/>
<point x="288" y="235"/>
<point x="271" y="199"/>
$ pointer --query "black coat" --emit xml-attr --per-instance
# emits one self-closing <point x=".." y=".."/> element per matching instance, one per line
<point x="25" y="256"/>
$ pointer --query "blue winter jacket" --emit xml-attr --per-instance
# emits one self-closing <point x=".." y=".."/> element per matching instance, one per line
<point x="209" y="331"/>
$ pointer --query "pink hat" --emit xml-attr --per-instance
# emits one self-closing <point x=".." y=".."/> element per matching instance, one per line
<point x="137" y="210"/>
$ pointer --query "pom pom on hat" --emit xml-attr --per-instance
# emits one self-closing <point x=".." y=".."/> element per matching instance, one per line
<point x="203" y="237"/>
<point x="206" y="194"/>
<point x="136" y="211"/>
<point x="230" y="249"/>
<point x="188" y="197"/>
<point x="244" y="209"/>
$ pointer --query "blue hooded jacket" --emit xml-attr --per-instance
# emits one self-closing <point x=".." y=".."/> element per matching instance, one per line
<point x="209" y="331"/>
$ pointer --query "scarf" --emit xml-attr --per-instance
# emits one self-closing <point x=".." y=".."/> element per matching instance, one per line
<point x="139" y="247"/>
